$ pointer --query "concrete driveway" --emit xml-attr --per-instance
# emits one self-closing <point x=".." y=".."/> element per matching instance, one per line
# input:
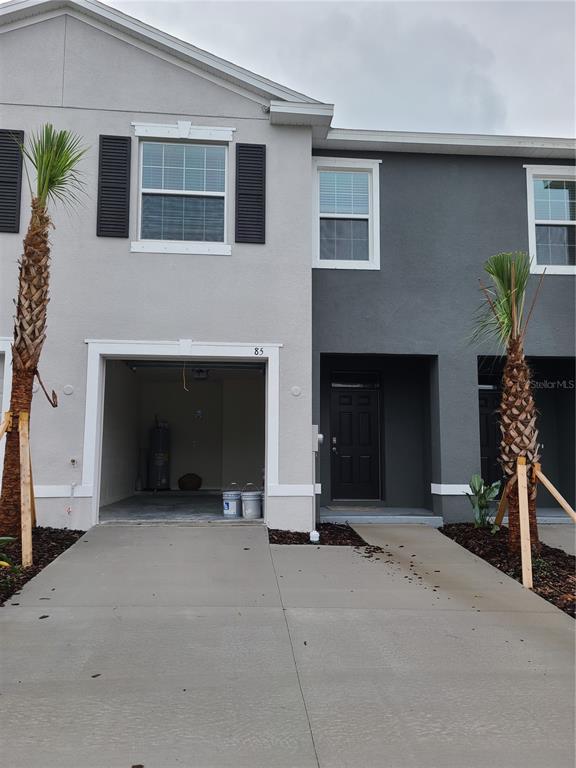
<point x="204" y="647"/>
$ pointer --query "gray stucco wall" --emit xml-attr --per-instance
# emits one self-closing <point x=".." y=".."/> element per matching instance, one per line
<point x="441" y="217"/>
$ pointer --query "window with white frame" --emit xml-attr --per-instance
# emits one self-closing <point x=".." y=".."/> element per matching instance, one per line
<point x="552" y="218"/>
<point x="183" y="192"/>
<point x="347" y="213"/>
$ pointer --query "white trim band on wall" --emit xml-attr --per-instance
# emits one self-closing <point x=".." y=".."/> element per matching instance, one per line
<point x="170" y="246"/>
<point x="6" y="352"/>
<point x="449" y="489"/>
<point x="291" y="490"/>
<point x="184" y="129"/>
<point x="63" y="491"/>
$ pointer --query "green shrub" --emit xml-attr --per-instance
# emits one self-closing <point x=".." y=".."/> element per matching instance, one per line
<point x="4" y="560"/>
<point x="481" y="500"/>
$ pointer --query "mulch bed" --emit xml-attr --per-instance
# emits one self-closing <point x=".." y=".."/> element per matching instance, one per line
<point x="554" y="571"/>
<point x="331" y="535"/>
<point x="47" y="544"/>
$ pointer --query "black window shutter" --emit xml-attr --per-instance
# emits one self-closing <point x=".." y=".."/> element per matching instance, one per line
<point x="10" y="179"/>
<point x="250" y="193"/>
<point x="113" y="216"/>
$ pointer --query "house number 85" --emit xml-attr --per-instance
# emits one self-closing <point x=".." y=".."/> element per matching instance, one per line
<point x="258" y="351"/>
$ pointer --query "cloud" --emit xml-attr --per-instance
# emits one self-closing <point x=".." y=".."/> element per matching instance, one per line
<point x="487" y="67"/>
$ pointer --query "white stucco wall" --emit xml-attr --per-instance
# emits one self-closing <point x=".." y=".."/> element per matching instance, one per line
<point x="100" y="290"/>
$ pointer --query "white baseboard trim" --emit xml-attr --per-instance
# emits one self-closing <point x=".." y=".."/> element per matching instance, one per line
<point x="85" y="491"/>
<point x="291" y="490"/>
<point x="62" y="491"/>
<point x="449" y="489"/>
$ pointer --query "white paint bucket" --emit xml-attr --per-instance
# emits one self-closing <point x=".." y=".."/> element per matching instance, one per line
<point x="251" y="505"/>
<point x="232" y="504"/>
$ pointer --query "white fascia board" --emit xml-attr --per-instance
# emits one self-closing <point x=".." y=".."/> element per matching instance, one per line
<point x="184" y="129"/>
<point x="447" y="143"/>
<point x="297" y="113"/>
<point x="16" y="10"/>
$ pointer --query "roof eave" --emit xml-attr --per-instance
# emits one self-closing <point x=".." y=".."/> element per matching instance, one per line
<point x="318" y="115"/>
<point x="447" y="143"/>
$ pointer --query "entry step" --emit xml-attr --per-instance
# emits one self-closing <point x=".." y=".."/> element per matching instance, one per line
<point x="355" y="518"/>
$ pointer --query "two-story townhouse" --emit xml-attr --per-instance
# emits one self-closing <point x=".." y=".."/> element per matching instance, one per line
<point x="181" y="283"/>
<point x="239" y="271"/>
<point x="403" y="226"/>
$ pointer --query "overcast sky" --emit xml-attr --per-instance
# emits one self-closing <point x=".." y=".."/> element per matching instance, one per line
<point x="461" y="66"/>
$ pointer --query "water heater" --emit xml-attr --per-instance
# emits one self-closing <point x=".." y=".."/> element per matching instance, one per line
<point x="159" y="457"/>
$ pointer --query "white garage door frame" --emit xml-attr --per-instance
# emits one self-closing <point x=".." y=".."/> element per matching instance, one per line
<point x="100" y="350"/>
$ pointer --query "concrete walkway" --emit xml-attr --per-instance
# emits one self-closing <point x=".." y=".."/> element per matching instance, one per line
<point x="203" y="647"/>
<point x="559" y="536"/>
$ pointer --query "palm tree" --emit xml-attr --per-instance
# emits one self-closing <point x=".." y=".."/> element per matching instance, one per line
<point x="502" y="317"/>
<point x="54" y="156"/>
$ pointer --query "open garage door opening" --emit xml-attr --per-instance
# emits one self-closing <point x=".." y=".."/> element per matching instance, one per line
<point x="176" y="434"/>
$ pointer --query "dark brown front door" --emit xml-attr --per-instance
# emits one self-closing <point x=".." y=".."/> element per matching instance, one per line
<point x="354" y="444"/>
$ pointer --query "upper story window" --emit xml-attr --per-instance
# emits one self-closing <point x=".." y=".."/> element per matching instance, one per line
<point x="346" y="232"/>
<point x="183" y="188"/>
<point x="552" y="218"/>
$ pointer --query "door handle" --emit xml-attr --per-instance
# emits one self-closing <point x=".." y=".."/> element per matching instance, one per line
<point x="334" y="449"/>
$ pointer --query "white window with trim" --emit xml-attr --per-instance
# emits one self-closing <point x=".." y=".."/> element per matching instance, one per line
<point x="183" y="186"/>
<point x="552" y="218"/>
<point x="346" y="213"/>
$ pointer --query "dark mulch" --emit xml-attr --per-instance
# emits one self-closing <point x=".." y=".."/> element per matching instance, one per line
<point x="554" y="571"/>
<point x="47" y="544"/>
<point x="331" y="535"/>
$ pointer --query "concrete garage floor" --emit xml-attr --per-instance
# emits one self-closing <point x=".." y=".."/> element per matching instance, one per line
<point x="164" y="506"/>
<point x="205" y="647"/>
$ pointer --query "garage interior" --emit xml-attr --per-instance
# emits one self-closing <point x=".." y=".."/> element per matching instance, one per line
<point x="176" y="434"/>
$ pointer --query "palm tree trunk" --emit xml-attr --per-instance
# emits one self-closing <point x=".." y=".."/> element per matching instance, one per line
<point x="29" y="335"/>
<point x="519" y="438"/>
<point x="20" y="400"/>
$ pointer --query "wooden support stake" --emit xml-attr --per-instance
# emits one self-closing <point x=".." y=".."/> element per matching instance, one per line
<point x="525" y="548"/>
<point x="504" y="501"/>
<point x="6" y="424"/>
<point x="25" y="496"/>
<point x="557" y="495"/>
<point x="502" y="507"/>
